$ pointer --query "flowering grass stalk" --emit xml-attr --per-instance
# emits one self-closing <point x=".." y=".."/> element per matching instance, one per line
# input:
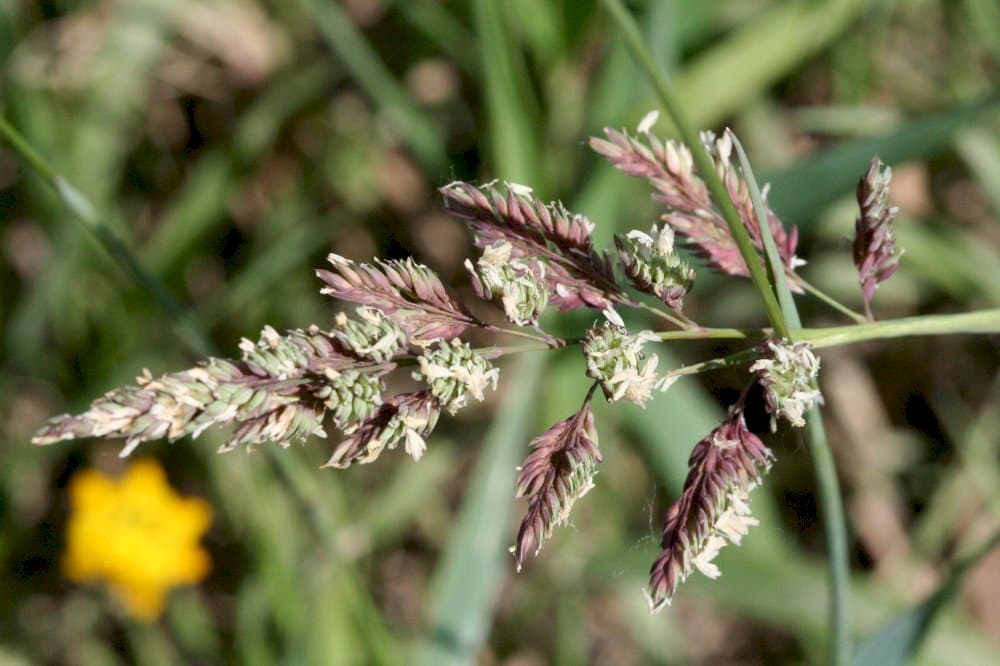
<point x="310" y="382"/>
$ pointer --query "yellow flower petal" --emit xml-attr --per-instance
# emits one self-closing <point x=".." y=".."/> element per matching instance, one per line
<point x="135" y="534"/>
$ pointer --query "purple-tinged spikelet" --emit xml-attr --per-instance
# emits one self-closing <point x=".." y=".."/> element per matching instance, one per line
<point x="407" y="292"/>
<point x="559" y="470"/>
<point x="518" y="285"/>
<point x="669" y="167"/>
<point x="712" y="510"/>
<point x="576" y="275"/>
<point x="651" y="265"/>
<point x="875" y="254"/>
<point x="282" y="390"/>
<point x="406" y="418"/>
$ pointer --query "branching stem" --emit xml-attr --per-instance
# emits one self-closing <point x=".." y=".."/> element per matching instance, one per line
<point x="829" y="300"/>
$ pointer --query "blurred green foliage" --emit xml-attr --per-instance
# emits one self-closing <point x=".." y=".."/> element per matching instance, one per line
<point x="233" y="143"/>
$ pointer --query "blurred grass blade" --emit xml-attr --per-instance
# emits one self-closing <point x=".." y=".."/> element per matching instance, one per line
<point x="202" y="203"/>
<point x="799" y="192"/>
<point x="475" y="560"/>
<point x="734" y="71"/>
<point x="897" y="642"/>
<point x="541" y="27"/>
<point x="415" y="128"/>
<point x="514" y="141"/>
<point x="411" y="489"/>
<point x="442" y="29"/>
<point x="980" y="148"/>
<point x="186" y="327"/>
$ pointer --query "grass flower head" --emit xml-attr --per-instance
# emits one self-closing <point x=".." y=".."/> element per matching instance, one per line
<point x="788" y="374"/>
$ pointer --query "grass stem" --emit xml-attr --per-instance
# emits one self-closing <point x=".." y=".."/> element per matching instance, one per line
<point x="829" y="300"/>
<point x="831" y="502"/>
<point x="703" y="161"/>
<point x="185" y="325"/>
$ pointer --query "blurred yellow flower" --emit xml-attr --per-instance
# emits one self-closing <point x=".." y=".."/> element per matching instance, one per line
<point x="135" y="534"/>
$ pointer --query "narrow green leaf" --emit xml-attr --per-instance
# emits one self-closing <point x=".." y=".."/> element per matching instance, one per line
<point x="434" y="20"/>
<point x="419" y="132"/>
<point x="775" y="267"/>
<point x="799" y="192"/>
<point x="475" y="560"/>
<point x="834" y="524"/>
<point x="901" y="637"/>
<point x="187" y="328"/>
<point x="513" y="136"/>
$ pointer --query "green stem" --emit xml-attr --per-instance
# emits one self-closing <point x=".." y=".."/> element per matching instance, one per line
<point x="716" y="363"/>
<point x="829" y="300"/>
<point x="703" y="162"/>
<point x="678" y="321"/>
<point x="831" y="502"/>
<point x="185" y="325"/>
<point x="981" y="322"/>
<point x="516" y="332"/>
<point x="835" y="532"/>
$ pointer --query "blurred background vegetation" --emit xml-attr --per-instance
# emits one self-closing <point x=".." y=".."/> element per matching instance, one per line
<point x="233" y="143"/>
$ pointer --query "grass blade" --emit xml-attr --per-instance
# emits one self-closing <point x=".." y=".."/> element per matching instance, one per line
<point x="185" y="325"/>
<point x="416" y="129"/>
<point x="834" y="523"/>
<point x="801" y="191"/>
<point x="475" y="561"/>
<point x="513" y="136"/>
<point x="900" y="638"/>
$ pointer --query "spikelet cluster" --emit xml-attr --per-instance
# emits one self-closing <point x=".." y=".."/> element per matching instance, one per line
<point x="406" y="418"/>
<point x="788" y="374"/>
<point x="559" y="470"/>
<point x="668" y="167"/>
<point x="408" y="292"/>
<point x="453" y="371"/>
<point x="576" y="275"/>
<point x="517" y="284"/>
<point x="281" y="390"/>
<point x="652" y="265"/>
<point x="712" y="510"/>
<point x="616" y="360"/>
<point x="875" y="254"/>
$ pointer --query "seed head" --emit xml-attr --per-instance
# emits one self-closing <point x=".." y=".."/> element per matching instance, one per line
<point x="875" y="254"/>
<point x="454" y="371"/>
<point x="518" y="284"/>
<point x="713" y="509"/>
<point x="559" y="470"/>
<point x="652" y="265"/>
<point x="575" y="276"/>
<point x="668" y="167"/>
<point x="788" y="373"/>
<point x="280" y="391"/>
<point x="615" y="359"/>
